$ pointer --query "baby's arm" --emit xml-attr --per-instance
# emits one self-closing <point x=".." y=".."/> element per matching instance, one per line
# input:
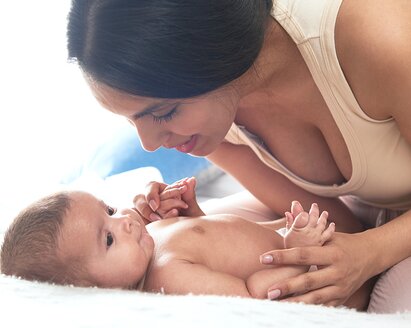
<point x="184" y="277"/>
<point x="306" y="229"/>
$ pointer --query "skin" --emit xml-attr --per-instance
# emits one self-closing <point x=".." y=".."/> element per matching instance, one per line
<point x="279" y="101"/>
<point x="116" y="248"/>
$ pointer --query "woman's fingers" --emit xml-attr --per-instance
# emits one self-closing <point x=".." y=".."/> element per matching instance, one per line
<point x="309" y="255"/>
<point x="141" y="205"/>
<point x="324" y="296"/>
<point x="153" y="191"/>
<point x="172" y="193"/>
<point x="302" y="284"/>
<point x="342" y="270"/>
<point x="169" y="204"/>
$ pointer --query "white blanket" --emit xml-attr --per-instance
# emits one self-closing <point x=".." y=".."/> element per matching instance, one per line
<point x="28" y="304"/>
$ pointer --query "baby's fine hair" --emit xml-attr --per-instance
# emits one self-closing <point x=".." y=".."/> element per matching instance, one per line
<point x="30" y="247"/>
<point x="166" y="48"/>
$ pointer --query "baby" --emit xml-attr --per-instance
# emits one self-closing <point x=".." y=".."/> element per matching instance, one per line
<point x="74" y="238"/>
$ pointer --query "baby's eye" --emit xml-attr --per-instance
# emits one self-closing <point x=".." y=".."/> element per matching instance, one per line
<point x="109" y="239"/>
<point x="111" y="210"/>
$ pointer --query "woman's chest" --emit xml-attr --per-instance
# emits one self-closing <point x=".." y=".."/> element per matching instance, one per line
<point x="301" y="133"/>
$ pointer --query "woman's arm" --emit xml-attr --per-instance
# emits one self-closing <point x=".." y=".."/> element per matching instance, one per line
<point x="377" y="63"/>
<point x="275" y="190"/>
<point x="345" y="263"/>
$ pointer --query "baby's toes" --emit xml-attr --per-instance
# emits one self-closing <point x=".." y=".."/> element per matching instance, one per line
<point x="301" y="220"/>
<point x="296" y="208"/>
<point x="289" y="219"/>
<point x="328" y="233"/>
<point x="322" y="221"/>
<point x="313" y="215"/>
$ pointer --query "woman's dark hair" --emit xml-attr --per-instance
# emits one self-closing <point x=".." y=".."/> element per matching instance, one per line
<point x="166" y="48"/>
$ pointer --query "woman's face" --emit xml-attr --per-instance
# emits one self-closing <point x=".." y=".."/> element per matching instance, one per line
<point x="195" y="126"/>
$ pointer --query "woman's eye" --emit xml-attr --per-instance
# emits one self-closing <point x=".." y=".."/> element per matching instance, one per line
<point x="109" y="239"/>
<point x="111" y="210"/>
<point x="166" y="117"/>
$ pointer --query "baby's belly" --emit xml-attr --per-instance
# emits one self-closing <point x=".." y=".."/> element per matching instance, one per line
<point x="222" y="243"/>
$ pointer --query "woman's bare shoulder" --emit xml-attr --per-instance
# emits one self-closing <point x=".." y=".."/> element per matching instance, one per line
<point x="372" y="43"/>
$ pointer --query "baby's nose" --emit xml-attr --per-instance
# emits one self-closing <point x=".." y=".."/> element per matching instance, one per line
<point x="127" y="224"/>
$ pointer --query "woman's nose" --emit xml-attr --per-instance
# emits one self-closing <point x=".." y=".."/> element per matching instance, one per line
<point x="151" y="138"/>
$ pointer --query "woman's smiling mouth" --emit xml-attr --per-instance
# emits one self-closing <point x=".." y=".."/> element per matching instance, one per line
<point x="188" y="146"/>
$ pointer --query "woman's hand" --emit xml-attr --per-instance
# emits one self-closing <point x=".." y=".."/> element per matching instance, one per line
<point x="171" y="197"/>
<point x="161" y="200"/>
<point x="148" y="203"/>
<point x="344" y="265"/>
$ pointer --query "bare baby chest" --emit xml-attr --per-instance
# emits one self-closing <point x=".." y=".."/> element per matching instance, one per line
<point x="223" y="243"/>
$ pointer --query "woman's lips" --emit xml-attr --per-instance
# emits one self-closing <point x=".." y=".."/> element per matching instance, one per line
<point x="188" y="146"/>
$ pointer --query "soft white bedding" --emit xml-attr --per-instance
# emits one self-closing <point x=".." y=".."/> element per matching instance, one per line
<point x="24" y="303"/>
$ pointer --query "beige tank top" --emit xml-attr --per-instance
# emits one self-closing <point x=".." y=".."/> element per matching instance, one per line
<point x="381" y="158"/>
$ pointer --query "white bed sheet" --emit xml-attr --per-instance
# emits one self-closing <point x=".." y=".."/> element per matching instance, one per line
<point x="26" y="303"/>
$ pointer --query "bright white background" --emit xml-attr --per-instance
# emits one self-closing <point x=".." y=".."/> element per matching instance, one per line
<point x="49" y="119"/>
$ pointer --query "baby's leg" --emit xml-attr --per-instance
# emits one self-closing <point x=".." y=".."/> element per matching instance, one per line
<point x="308" y="229"/>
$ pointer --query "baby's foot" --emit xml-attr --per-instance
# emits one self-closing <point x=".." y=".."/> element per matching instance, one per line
<point x="308" y="229"/>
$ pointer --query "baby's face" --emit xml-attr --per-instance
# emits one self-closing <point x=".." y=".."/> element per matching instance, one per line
<point x="115" y="247"/>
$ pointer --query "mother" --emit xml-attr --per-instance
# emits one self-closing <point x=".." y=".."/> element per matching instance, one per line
<point x="300" y="99"/>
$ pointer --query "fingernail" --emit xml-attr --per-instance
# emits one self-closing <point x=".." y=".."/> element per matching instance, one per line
<point x="267" y="259"/>
<point x="154" y="217"/>
<point x="274" y="294"/>
<point x="153" y="205"/>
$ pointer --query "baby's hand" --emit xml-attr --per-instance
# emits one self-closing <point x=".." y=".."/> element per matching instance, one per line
<point x="179" y="199"/>
<point x="307" y="229"/>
